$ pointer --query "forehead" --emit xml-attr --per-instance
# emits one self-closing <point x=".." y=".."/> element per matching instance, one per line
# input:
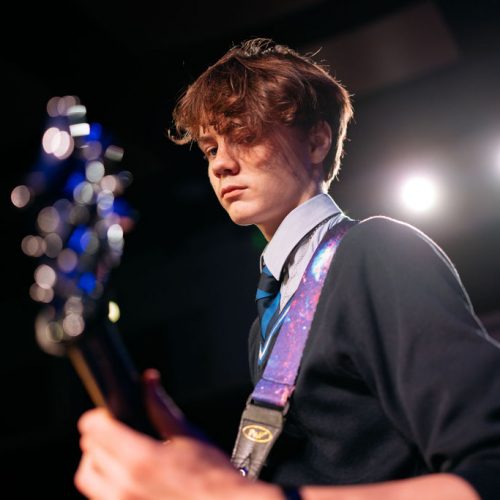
<point x="228" y="127"/>
<point x="208" y="135"/>
<point x="207" y="131"/>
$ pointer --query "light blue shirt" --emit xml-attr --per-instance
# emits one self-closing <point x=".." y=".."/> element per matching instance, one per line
<point x="296" y="239"/>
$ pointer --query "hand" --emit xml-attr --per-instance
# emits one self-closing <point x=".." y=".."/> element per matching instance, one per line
<point x="119" y="463"/>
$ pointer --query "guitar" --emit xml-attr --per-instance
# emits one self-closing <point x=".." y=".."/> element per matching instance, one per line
<point x="80" y="219"/>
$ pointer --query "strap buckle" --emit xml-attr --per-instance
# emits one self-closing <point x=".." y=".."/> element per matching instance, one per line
<point x="259" y="428"/>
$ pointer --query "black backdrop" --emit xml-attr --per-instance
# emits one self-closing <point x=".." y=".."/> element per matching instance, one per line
<point x="186" y="282"/>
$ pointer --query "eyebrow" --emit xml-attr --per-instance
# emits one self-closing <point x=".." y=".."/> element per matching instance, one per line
<point x="204" y="140"/>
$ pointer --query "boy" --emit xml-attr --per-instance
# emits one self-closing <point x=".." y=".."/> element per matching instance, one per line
<point x="398" y="390"/>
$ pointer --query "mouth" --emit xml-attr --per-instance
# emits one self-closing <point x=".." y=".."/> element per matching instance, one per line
<point x="230" y="191"/>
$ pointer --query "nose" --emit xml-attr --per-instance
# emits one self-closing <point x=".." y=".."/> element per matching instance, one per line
<point x="225" y="162"/>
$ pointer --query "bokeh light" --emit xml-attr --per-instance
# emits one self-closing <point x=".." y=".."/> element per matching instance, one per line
<point x="94" y="171"/>
<point x="84" y="193"/>
<point x="114" y="153"/>
<point x="20" y="196"/>
<point x="419" y="193"/>
<point x="48" y="220"/>
<point x="45" y="276"/>
<point x="58" y="106"/>
<point x="91" y="150"/>
<point x="41" y="294"/>
<point x="33" y="246"/>
<point x="54" y="244"/>
<point x="58" y="143"/>
<point x="79" y="129"/>
<point x="113" y="311"/>
<point x="73" y="324"/>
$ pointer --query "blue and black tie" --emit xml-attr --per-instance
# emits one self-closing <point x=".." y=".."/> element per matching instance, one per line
<point x="268" y="300"/>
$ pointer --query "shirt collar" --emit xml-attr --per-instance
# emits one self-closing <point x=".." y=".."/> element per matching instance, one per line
<point x="293" y="228"/>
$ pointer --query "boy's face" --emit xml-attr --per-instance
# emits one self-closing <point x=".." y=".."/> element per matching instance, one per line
<point x="260" y="184"/>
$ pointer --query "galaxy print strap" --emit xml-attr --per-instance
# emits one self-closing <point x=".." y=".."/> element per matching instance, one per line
<point x="263" y="419"/>
<point x="278" y="380"/>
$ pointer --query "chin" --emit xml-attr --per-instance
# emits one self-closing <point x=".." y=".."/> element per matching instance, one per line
<point x="242" y="221"/>
<point x="243" y="218"/>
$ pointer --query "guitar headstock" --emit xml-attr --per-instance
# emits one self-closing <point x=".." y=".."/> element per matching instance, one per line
<point x="80" y="217"/>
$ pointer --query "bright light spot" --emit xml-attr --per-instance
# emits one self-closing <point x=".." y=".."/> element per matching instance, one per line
<point x="109" y="183"/>
<point x="52" y="106"/>
<point x="40" y="294"/>
<point x="73" y="324"/>
<point x="66" y="103"/>
<point x="45" y="276"/>
<point x="79" y="129"/>
<point x="419" y="193"/>
<point x="113" y="312"/>
<point x="91" y="150"/>
<point x="74" y="305"/>
<point x="20" y="196"/>
<point x="94" y="171"/>
<point x="50" y="139"/>
<point x="48" y="220"/>
<point x="83" y="193"/>
<point x="77" y="111"/>
<point x="115" y="233"/>
<point x="105" y="201"/>
<point x="114" y="153"/>
<point x="115" y="237"/>
<point x="57" y="142"/>
<point x="66" y="146"/>
<point x="34" y="246"/>
<point x="54" y="244"/>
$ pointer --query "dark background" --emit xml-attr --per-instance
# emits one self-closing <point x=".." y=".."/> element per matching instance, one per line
<point x="425" y="78"/>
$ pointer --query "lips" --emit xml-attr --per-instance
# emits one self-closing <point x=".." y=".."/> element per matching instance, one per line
<point x="231" y="190"/>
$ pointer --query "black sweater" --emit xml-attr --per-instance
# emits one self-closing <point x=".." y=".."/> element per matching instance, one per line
<point x="398" y="377"/>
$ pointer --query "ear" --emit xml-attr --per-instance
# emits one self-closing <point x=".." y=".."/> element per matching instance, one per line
<point x="320" y="141"/>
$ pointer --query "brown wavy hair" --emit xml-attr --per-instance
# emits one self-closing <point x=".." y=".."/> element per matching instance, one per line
<point x="258" y="84"/>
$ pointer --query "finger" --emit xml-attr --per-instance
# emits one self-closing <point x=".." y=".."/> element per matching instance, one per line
<point x="86" y="419"/>
<point x="110" y="468"/>
<point x="89" y="481"/>
<point x="100" y="429"/>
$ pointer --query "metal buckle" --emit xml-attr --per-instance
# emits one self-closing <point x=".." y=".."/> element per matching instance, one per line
<point x="259" y="428"/>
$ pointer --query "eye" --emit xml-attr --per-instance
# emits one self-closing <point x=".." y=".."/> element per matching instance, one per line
<point x="210" y="153"/>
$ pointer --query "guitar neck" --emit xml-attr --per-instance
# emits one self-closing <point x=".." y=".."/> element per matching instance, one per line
<point x="109" y="376"/>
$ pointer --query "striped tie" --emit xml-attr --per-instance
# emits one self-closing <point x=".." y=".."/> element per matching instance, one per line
<point x="268" y="300"/>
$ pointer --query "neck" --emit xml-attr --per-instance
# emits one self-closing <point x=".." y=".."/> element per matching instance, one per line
<point x="269" y="228"/>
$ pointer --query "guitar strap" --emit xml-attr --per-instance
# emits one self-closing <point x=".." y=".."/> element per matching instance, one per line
<point x="264" y="416"/>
